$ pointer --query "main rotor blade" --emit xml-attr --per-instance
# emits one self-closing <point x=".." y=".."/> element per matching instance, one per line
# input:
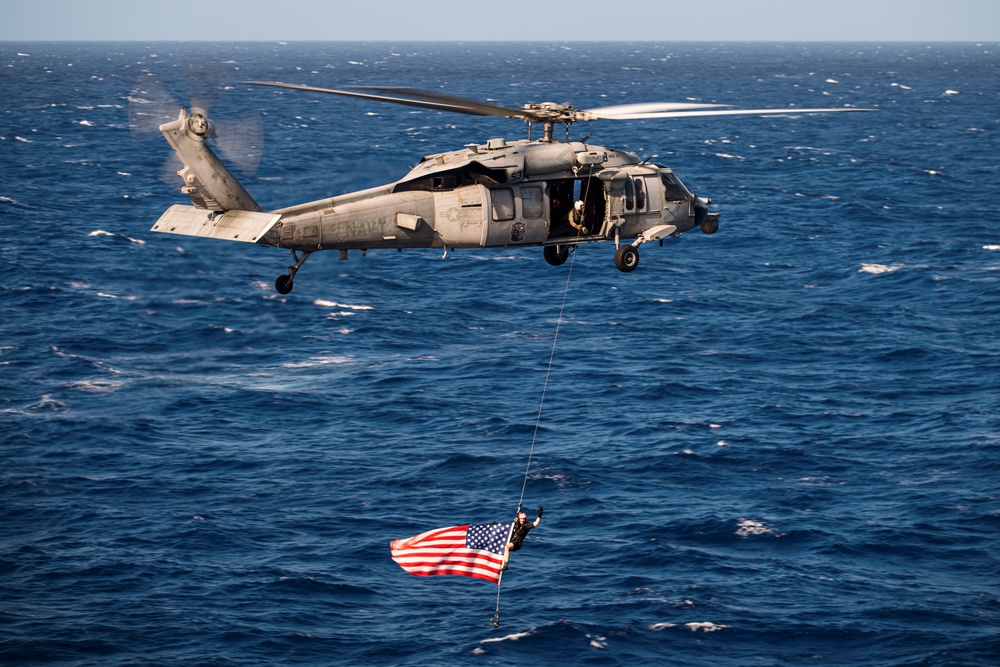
<point x="471" y="108"/>
<point x="728" y="112"/>
<point x="644" y="109"/>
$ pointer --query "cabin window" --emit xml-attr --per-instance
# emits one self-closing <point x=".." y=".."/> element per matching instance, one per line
<point x="531" y="202"/>
<point x="629" y="194"/>
<point x="503" y="203"/>
<point x="640" y="195"/>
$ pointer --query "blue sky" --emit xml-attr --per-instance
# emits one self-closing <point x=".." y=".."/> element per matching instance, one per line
<point x="397" y="20"/>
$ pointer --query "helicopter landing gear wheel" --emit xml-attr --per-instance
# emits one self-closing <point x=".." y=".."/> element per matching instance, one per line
<point x="627" y="258"/>
<point x="556" y="254"/>
<point x="283" y="284"/>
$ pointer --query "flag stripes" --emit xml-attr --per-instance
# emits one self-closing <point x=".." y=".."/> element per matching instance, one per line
<point x="468" y="550"/>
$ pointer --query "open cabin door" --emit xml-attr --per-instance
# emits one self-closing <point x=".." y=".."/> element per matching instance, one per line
<point x="563" y="193"/>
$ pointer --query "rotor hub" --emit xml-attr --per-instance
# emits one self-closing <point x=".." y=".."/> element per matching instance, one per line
<point x="550" y="112"/>
<point x="198" y="124"/>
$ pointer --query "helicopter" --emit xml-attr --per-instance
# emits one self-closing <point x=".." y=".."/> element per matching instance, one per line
<point x="497" y="194"/>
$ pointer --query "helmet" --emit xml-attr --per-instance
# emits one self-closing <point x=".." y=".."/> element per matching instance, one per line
<point x="578" y="206"/>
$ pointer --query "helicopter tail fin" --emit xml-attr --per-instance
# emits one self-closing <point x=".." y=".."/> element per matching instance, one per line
<point x="207" y="181"/>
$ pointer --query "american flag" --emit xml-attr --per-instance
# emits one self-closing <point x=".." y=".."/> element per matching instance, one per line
<point x="472" y="550"/>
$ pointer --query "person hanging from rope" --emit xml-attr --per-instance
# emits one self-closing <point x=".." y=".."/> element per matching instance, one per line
<point x="518" y="532"/>
<point x="575" y="218"/>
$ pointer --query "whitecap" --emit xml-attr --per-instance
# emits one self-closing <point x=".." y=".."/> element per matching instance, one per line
<point x="991" y="247"/>
<point x="314" y="362"/>
<point x="705" y="627"/>
<point x="750" y="527"/>
<point x="46" y="402"/>
<point x="512" y="637"/>
<point x="878" y="268"/>
<point x="727" y="156"/>
<point x="96" y="386"/>
<point x="899" y="85"/>
<point x="86" y="123"/>
<point x="22" y="139"/>
<point x="115" y="296"/>
<point x="8" y="200"/>
<point x="333" y="304"/>
<point x="101" y="232"/>
<point x="950" y="92"/>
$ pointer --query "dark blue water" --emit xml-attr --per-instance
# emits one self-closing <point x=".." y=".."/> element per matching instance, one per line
<point x="778" y="445"/>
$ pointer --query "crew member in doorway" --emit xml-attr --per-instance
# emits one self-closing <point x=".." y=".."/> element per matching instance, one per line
<point x="521" y="528"/>
<point x="575" y="218"/>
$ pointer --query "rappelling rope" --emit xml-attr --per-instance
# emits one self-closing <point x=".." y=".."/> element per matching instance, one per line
<point x="552" y="354"/>
<point x="545" y="385"/>
<point x="541" y="404"/>
<point x="538" y="420"/>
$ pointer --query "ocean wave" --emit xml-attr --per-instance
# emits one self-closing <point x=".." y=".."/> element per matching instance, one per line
<point x="878" y="268"/>
<point x="704" y="626"/>
<point x="101" y="232"/>
<point x="777" y="441"/>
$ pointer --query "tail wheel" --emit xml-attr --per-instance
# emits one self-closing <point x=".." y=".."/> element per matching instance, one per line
<point x="284" y="284"/>
<point x="556" y="254"/>
<point x="627" y="258"/>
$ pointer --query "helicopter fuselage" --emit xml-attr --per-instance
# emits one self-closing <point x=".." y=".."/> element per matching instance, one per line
<point x="498" y="194"/>
<point x="495" y="195"/>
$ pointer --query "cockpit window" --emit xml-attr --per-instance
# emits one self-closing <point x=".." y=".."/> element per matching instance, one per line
<point x="672" y="188"/>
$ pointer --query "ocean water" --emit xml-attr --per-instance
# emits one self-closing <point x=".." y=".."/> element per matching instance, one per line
<point x="777" y="445"/>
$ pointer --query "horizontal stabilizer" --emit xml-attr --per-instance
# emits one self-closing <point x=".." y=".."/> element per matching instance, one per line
<point x="233" y="225"/>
